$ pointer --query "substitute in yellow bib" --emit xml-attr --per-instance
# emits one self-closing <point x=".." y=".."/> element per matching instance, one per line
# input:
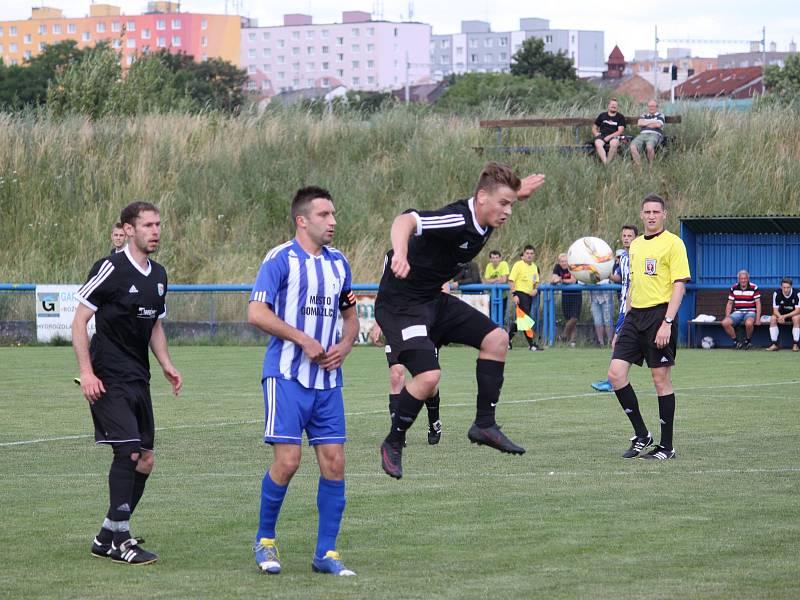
<point x="659" y="272"/>
<point x="524" y="283"/>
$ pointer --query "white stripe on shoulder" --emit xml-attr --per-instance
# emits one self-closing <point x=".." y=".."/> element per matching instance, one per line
<point x="274" y="251"/>
<point x="102" y="274"/>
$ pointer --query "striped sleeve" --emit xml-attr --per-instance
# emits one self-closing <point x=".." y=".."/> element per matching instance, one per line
<point x="443" y="222"/>
<point x="271" y="277"/>
<point x="95" y="291"/>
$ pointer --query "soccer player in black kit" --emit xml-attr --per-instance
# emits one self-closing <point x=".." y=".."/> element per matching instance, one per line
<point x="428" y="248"/>
<point x="126" y="295"/>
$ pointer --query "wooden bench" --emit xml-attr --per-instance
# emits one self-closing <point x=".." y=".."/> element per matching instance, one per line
<point x="500" y="125"/>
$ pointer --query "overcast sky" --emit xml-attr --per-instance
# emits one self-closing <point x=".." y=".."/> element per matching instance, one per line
<point x="627" y="23"/>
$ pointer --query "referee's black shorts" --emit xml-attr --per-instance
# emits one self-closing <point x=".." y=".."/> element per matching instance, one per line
<point x="124" y="414"/>
<point x="637" y="338"/>
<point x="430" y="325"/>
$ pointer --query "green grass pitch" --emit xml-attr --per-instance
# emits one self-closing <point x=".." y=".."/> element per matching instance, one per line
<point x="569" y="519"/>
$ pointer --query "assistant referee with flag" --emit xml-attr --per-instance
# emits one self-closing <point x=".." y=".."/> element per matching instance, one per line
<point x="659" y="272"/>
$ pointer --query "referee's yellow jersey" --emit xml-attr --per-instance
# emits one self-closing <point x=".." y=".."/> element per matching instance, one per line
<point x="656" y="263"/>
<point x="525" y="276"/>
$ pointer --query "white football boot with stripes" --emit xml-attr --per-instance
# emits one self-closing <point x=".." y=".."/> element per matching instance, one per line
<point x="130" y="553"/>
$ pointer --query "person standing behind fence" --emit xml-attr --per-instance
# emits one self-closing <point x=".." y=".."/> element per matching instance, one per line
<point x="125" y="293"/>
<point x="659" y="272"/>
<point x="301" y="289"/>
<point x="524" y="283"/>
<point x="118" y="238"/>
<point x="571" y="301"/>
<point x="744" y="306"/>
<point x="496" y="272"/>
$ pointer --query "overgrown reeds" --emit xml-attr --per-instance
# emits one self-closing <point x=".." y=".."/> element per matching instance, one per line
<point x="224" y="184"/>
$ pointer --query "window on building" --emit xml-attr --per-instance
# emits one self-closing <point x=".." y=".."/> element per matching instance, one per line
<point x="443" y="60"/>
<point x="356" y="81"/>
<point x="265" y="35"/>
<point x="548" y="39"/>
<point x="281" y="59"/>
<point x="339" y="57"/>
<point x="355" y="48"/>
<point x="326" y="82"/>
<point x="370" y="47"/>
<point x="459" y="51"/>
<point x="72" y="28"/>
<point x="310" y="33"/>
<point x="355" y="32"/>
<point x="204" y="42"/>
<point x="473" y="43"/>
<point x="42" y="29"/>
<point x="370" y="64"/>
<point x="204" y="24"/>
<point x="326" y="49"/>
<point x="295" y="35"/>
<point x="130" y="43"/>
<point x="251" y="53"/>
<point x="266" y="52"/>
<point x="295" y="83"/>
<point x="295" y="66"/>
<point x="130" y="26"/>
<point x="325" y="33"/>
<point x="340" y="41"/>
<point x="129" y="59"/>
<point x="281" y="43"/>
<point x="27" y="38"/>
<point x="14" y="62"/>
<point x="309" y="83"/>
<point x="161" y="42"/>
<point x="502" y="42"/>
<point x="176" y="41"/>
<point x="281" y="74"/>
<point x="473" y="58"/>
<point x="26" y="55"/>
<point x="116" y="43"/>
<point x="176" y="23"/>
<point x="296" y="50"/>
<point x="370" y="31"/>
<point x="488" y="42"/>
<point x="12" y="48"/>
<point x="251" y="69"/>
<point x="340" y="72"/>
<point x="488" y="58"/>
<point x="395" y="32"/>
<point x="116" y="26"/>
<point x="371" y="80"/>
<point x="2" y="49"/>
<point x="251" y="37"/>
<point x="355" y="64"/>
<point x="2" y="31"/>
<point x="503" y="56"/>
<point x="145" y="34"/>
<point x="12" y="30"/>
<point x="161" y="24"/>
<point x="41" y="46"/>
<point x="251" y="85"/>
<point x="310" y="50"/>
<point x="445" y="43"/>
<point x="86" y="36"/>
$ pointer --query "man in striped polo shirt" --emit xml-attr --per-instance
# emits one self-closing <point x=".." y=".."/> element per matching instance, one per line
<point x="744" y="306"/>
<point x="301" y="288"/>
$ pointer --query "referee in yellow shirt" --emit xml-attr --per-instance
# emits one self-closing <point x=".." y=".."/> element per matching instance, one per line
<point x="659" y="272"/>
<point x="524" y="283"/>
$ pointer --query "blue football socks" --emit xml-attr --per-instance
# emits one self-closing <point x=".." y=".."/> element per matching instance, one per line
<point x="330" y="503"/>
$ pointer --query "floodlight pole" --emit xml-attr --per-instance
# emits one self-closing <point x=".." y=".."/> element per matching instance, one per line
<point x="655" y="65"/>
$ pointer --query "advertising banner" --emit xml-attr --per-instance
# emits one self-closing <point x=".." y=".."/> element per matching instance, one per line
<point x="55" y="307"/>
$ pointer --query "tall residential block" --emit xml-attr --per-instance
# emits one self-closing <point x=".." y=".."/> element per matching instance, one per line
<point x="357" y="53"/>
<point x="479" y="49"/>
<point x="162" y="26"/>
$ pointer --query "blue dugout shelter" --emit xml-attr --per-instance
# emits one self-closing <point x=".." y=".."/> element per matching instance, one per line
<point x="718" y="247"/>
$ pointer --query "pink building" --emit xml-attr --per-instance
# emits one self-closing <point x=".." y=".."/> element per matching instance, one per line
<point x="357" y="53"/>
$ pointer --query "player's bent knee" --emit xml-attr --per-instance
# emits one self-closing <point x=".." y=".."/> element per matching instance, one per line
<point x="495" y="341"/>
<point x="429" y="380"/>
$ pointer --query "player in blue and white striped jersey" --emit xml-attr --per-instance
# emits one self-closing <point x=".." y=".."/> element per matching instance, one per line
<point x="622" y="274"/>
<point x="301" y="289"/>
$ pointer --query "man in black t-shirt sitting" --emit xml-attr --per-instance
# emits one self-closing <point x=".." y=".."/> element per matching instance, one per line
<point x="785" y="309"/>
<point x="607" y="129"/>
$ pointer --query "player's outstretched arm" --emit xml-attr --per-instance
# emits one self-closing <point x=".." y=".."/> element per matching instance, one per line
<point x="92" y="388"/>
<point x="403" y="227"/>
<point x="336" y="354"/>
<point x="158" y="344"/>
<point x="262" y="316"/>
<point x="529" y="185"/>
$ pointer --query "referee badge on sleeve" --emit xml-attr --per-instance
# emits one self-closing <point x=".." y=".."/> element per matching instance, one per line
<point x="160" y="289"/>
<point x="649" y="266"/>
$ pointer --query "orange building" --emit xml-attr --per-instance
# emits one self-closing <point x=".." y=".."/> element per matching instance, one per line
<point x="203" y="36"/>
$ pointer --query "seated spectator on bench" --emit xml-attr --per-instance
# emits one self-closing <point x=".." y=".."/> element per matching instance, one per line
<point x="607" y="129"/>
<point x="785" y="308"/>
<point x="744" y="306"/>
<point x="651" y="134"/>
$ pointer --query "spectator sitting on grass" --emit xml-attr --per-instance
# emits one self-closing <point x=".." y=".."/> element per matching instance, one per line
<point x="651" y="134"/>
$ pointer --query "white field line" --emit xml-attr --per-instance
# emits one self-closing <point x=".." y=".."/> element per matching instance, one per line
<point x="383" y="410"/>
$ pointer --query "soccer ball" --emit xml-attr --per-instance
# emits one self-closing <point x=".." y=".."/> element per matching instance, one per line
<point x="707" y="342"/>
<point x="590" y="260"/>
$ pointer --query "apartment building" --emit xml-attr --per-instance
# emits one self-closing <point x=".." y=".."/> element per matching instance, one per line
<point x="162" y="26"/>
<point x="357" y="53"/>
<point x="479" y="49"/>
